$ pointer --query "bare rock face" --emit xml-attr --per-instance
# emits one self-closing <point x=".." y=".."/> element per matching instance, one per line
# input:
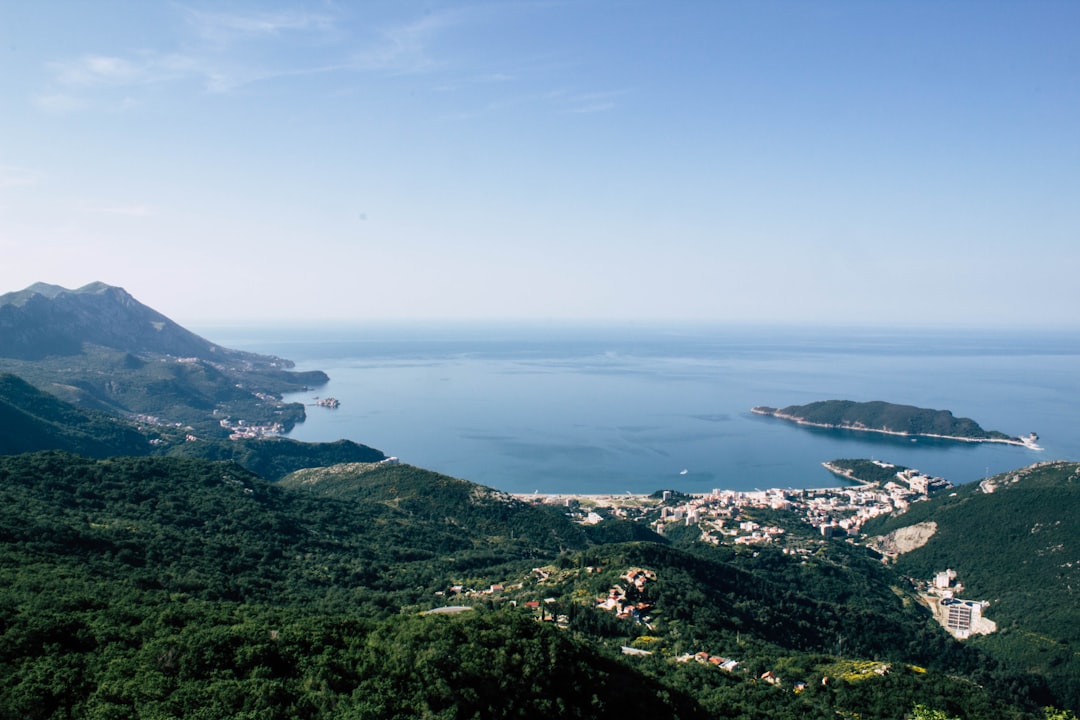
<point x="905" y="539"/>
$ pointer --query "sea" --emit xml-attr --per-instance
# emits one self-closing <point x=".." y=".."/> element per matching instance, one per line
<point x="635" y="408"/>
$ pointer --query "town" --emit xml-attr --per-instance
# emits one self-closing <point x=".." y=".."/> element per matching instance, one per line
<point x="741" y="518"/>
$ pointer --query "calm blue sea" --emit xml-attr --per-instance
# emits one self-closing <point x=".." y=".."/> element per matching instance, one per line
<point x="606" y="409"/>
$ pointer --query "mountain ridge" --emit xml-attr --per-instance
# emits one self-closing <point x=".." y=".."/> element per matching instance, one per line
<point x="46" y="319"/>
<point x="98" y="347"/>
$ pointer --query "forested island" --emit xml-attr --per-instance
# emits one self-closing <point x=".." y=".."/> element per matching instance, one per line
<point x="891" y="419"/>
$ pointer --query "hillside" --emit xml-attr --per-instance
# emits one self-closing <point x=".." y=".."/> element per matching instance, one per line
<point x="99" y="348"/>
<point x="273" y="458"/>
<point x="32" y="420"/>
<point x="430" y="497"/>
<point x="878" y="416"/>
<point x="1013" y="540"/>
<point x="170" y="587"/>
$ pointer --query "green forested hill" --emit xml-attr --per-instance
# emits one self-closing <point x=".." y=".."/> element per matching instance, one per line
<point x="32" y="420"/>
<point x="1013" y="540"/>
<point x="172" y="587"/>
<point x="273" y="458"/>
<point x="425" y="496"/>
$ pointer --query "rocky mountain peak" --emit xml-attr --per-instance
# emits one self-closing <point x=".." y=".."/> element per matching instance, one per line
<point x="48" y="320"/>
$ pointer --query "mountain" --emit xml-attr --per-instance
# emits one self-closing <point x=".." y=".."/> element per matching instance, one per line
<point x="97" y="347"/>
<point x="1013" y="541"/>
<point x="47" y="320"/>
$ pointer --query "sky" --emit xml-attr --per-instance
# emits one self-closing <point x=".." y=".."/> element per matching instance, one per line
<point x="800" y="162"/>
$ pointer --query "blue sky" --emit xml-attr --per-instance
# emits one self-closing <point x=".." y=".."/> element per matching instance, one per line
<point x="841" y="163"/>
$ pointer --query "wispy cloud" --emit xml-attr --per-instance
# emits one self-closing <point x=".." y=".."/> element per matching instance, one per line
<point x="133" y="211"/>
<point x="560" y="102"/>
<point x="11" y="176"/>
<point x="405" y="48"/>
<point x="103" y="71"/>
<point x="227" y="50"/>
<point x="218" y="54"/>
<point x="584" y="103"/>
<point x="58" y="102"/>
<point x="225" y="27"/>
<point x="94" y="70"/>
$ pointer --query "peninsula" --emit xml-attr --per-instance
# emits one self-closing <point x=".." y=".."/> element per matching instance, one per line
<point x="892" y="419"/>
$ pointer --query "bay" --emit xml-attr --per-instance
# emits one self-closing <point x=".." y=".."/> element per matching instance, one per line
<point x="592" y="408"/>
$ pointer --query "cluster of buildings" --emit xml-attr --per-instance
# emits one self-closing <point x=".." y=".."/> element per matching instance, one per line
<point x="706" y="659"/>
<point x="962" y="618"/>
<point x="727" y="517"/>
<point x="240" y="429"/>
<point x="629" y="602"/>
<point x="835" y="512"/>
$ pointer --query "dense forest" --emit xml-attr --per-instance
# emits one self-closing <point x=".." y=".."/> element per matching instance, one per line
<point x="34" y="420"/>
<point x="182" y="587"/>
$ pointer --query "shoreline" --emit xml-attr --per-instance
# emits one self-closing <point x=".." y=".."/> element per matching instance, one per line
<point x="768" y="412"/>
<point x="847" y="475"/>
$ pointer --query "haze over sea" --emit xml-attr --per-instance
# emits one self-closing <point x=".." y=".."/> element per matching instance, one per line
<point x="615" y="409"/>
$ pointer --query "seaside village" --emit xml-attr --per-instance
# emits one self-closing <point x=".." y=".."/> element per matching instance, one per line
<point x="740" y="518"/>
<point x="726" y="517"/>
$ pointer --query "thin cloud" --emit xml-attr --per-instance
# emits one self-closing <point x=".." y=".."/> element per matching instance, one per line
<point x="220" y="60"/>
<point x="103" y="71"/>
<point x="133" y="211"/>
<point x="97" y="72"/>
<point x="224" y="27"/>
<point x="91" y="70"/>
<point x="557" y="101"/>
<point x="406" y="48"/>
<point x="58" y="103"/>
<point x="585" y="103"/>
<point x="12" y="176"/>
<point x="594" y="108"/>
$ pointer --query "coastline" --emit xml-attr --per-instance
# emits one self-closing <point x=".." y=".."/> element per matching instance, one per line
<point x="595" y="498"/>
<point x="771" y="412"/>
<point x="847" y="475"/>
